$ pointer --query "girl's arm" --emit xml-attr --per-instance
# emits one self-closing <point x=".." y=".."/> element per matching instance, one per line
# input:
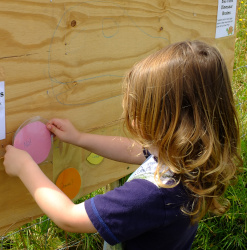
<point x="52" y="201"/>
<point x="112" y="147"/>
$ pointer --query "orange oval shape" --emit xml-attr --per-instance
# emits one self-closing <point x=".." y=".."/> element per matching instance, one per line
<point x="69" y="181"/>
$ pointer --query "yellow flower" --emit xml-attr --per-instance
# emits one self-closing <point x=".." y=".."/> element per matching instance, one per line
<point x="240" y="20"/>
<point x="243" y="26"/>
<point x="242" y="1"/>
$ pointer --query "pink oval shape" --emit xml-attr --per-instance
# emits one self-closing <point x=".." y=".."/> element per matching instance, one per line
<point x="35" y="139"/>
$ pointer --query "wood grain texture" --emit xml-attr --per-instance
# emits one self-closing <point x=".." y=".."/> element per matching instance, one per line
<point x="67" y="59"/>
<point x="17" y="205"/>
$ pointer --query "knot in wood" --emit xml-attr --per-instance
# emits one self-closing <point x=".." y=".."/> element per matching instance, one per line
<point x="73" y="23"/>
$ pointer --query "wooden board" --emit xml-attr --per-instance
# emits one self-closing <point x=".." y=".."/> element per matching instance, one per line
<point x="17" y="205"/>
<point x="67" y="59"/>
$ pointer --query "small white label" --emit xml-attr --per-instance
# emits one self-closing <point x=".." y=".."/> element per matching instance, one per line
<point x="2" y="112"/>
<point x="226" y="18"/>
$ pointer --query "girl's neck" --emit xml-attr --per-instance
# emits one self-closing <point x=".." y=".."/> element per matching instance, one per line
<point x="154" y="151"/>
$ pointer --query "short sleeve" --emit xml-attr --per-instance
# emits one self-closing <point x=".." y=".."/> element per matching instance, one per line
<point x="128" y="211"/>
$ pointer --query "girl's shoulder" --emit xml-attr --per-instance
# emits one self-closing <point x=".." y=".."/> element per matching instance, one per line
<point x="145" y="176"/>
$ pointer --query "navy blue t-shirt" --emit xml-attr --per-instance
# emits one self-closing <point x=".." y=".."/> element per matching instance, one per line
<point x="143" y="215"/>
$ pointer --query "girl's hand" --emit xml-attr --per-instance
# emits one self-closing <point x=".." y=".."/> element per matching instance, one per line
<point x="64" y="130"/>
<point x="15" y="160"/>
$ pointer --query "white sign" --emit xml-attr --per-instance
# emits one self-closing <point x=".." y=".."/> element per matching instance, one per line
<point x="2" y="112"/>
<point x="226" y="18"/>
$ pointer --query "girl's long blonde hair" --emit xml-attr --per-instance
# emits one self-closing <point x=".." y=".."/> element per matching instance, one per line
<point x="179" y="100"/>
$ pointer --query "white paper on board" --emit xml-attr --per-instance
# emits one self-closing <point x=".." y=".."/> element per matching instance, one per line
<point x="226" y="18"/>
<point x="2" y="111"/>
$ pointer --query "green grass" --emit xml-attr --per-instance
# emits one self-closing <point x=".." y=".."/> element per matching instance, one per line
<point x="230" y="230"/>
<point x="240" y="68"/>
<point x="227" y="232"/>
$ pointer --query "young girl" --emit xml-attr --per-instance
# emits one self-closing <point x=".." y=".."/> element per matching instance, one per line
<point x="178" y="106"/>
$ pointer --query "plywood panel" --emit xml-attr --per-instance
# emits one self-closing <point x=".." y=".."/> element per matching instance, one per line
<point x="67" y="59"/>
<point x="17" y="205"/>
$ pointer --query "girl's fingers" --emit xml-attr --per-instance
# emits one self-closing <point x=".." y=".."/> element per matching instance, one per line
<point x="52" y="129"/>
